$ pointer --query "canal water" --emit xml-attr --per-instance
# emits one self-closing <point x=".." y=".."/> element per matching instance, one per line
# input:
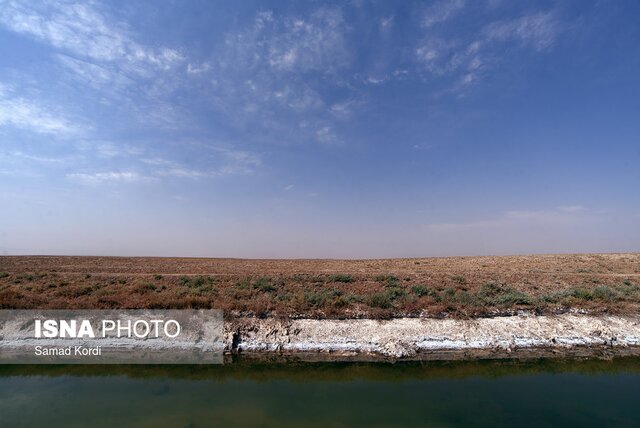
<point x="540" y="393"/>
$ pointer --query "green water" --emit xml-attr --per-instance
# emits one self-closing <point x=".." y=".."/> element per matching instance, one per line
<point x="241" y="394"/>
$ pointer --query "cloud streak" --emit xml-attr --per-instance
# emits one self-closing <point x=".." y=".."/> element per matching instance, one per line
<point x="31" y="116"/>
<point x="79" y="28"/>
<point x="537" y="30"/>
<point x="464" y="61"/>
<point x="108" y="177"/>
<point x="441" y="12"/>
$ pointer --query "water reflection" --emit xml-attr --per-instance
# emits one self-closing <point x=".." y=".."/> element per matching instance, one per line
<point x="244" y="393"/>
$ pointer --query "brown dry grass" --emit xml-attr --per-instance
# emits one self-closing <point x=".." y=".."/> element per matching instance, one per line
<point x="453" y="286"/>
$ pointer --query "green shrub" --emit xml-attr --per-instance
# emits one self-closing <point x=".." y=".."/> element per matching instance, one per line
<point x="320" y="298"/>
<point x="314" y="298"/>
<point x="354" y="298"/>
<point x="4" y="274"/>
<point x="449" y="293"/>
<point x="199" y="284"/>
<point x="465" y="298"/>
<point x="379" y="300"/>
<point x="553" y="297"/>
<point x="388" y="280"/>
<point x="157" y="277"/>
<point x="264" y="284"/>
<point x="515" y="297"/>
<point x="605" y="293"/>
<point x="421" y="290"/>
<point x="244" y="284"/>
<point x="146" y="287"/>
<point x="629" y="288"/>
<point x="491" y="289"/>
<point x="581" y="293"/>
<point x="495" y="293"/>
<point x="395" y="293"/>
<point x="341" y="278"/>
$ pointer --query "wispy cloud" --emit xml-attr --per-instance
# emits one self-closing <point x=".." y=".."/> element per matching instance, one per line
<point x="314" y="43"/>
<point x="97" y="49"/>
<point x="147" y="167"/>
<point x="441" y="11"/>
<point x="464" y="61"/>
<point x="32" y="158"/>
<point x="261" y="73"/>
<point x="538" y="30"/>
<point x="103" y="76"/>
<point x="344" y="109"/>
<point x="168" y="168"/>
<point x="198" y="68"/>
<point x="79" y="28"/>
<point x="386" y="23"/>
<point x="181" y="173"/>
<point x="326" y="135"/>
<point x="437" y="55"/>
<point x="108" y="177"/>
<point x="30" y="116"/>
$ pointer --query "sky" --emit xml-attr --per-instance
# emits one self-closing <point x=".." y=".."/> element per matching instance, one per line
<point x="319" y="129"/>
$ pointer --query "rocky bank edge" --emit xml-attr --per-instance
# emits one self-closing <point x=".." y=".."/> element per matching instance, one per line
<point x="425" y="338"/>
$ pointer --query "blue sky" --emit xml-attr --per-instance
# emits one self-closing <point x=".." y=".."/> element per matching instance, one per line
<point x="319" y="129"/>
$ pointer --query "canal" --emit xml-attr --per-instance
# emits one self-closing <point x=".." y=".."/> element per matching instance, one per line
<point x="275" y="394"/>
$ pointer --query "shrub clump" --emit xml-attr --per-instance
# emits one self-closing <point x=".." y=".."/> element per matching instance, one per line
<point x="264" y="284"/>
<point x="388" y="280"/>
<point x="605" y="293"/>
<point x="199" y="284"/>
<point x="515" y="297"/>
<point x="320" y="298"/>
<point x="379" y="300"/>
<point x="493" y="293"/>
<point x="422" y="290"/>
<point x="581" y="294"/>
<point x="341" y="278"/>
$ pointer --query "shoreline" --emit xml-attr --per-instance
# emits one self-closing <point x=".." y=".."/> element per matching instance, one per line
<point x="521" y="336"/>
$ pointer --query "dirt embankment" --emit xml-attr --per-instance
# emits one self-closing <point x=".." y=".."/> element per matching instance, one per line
<point x="428" y="339"/>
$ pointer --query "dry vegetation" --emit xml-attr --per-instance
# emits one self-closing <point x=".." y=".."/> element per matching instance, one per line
<point x="434" y="287"/>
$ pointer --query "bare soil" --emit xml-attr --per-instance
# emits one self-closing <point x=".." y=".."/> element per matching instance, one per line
<point x="458" y="287"/>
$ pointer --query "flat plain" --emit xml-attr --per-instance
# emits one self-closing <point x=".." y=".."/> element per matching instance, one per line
<point x="460" y="287"/>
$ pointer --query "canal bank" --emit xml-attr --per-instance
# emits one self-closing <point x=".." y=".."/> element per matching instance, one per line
<point x="519" y="336"/>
